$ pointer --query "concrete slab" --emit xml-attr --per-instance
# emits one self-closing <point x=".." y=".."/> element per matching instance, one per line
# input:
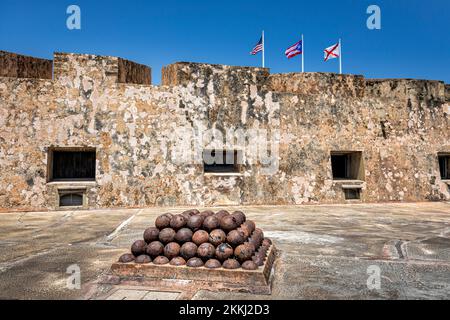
<point x="326" y="251"/>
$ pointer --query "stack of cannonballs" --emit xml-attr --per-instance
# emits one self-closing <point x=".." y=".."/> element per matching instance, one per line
<point x="198" y="239"/>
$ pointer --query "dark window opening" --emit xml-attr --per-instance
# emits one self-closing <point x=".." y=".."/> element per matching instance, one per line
<point x="340" y="166"/>
<point x="444" y="166"/>
<point x="347" y="165"/>
<point x="352" y="194"/>
<point x="221" y="161"/>
<point x="68" y="165"/>
<point x="71" y="200"/>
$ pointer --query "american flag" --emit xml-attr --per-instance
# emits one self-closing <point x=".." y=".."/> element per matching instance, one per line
<point x="294" y="50"/>
<point x="258" y="47"/>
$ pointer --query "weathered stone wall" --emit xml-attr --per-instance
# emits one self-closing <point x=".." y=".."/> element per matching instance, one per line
<point x="399" y="125"/>
<point x="132" y="72"/>
<point x="323" y="84"/>
<point x="19" y="66"/>
<point x="219" y="76"/>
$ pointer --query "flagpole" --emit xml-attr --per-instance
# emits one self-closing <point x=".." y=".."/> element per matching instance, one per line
<point x="340" y="56"/>
<point x="263" y="50"/>
<point x="303" y="55"/>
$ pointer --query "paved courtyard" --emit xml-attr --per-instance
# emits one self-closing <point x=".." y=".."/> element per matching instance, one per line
<point x="325" y="251"/>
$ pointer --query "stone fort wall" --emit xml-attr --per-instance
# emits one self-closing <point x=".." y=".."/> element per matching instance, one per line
<point x="398" y="126"/>
<point x="20" y="66"/>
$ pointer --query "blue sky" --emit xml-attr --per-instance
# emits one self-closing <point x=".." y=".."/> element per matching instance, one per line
<point x="414" y="40"/>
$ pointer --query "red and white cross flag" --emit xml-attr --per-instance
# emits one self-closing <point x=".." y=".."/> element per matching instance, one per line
<point x="332" y="52"/>
<point x="335" y="51"/>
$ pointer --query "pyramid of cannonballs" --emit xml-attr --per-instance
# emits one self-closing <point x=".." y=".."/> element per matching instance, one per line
<point x="198" y="239"/>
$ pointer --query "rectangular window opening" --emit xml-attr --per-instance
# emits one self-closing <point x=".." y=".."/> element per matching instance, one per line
<point x="444" y="166"/>
<point x="352" y="194"/>
<point x="222" y="161"/>
<point x="347" y="165"/>
<point x="71" y="200"/>
<point x="72" y="164"/>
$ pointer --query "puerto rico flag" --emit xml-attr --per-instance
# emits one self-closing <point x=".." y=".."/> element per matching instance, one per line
<point x="294" y="50"/>
<point x="258" y="47"/>
<point x="332" y="52"/>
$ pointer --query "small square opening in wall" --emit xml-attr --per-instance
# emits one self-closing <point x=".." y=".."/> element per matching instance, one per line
<point x="352" y="194"/>
<point x="72" y="197"/>
<point x="71" y="200"/>
<point x="347" y="165"/>
<point x="71" y="164"/>
<point x="222" y="161"/>
<point x="444" y="166"/>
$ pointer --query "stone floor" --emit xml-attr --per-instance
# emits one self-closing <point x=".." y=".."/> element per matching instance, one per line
<point x="326" y="251"/>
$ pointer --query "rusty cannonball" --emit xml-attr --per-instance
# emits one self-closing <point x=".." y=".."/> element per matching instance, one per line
<point x="251" y="224"/>
<point x="228" y="223"/>
<point x="194" y="263"/>
<point x="231" y="264"/>
<point x="258" y="260"/>
<point x="262" y="255"/>
<point x="187" y="213"/>
<point x="168" y="214"/>
<point x="184" y="235"/>
<point x="245" y="232"/>
<point x="163" y="221"/>
<point x="244" y="252"/>
<point x="138" y="247"/>
<point x="266" y="242"/>
<point x="213" y="264"/>
<point x="155" y="249"/>
<point x="172" y="250"/>
<point x="200" y="236"/>
<point x="222" y="213"/>
<point x="151" y="234"/>
<point x="240" y="217"/>
<point x="235" y="237"/>
<point x="186" y="216"/>
<point x="224" y="251"/>
<point x="256" y="238"/>
<point x="188" y="250"/>
<point x="262" y="252"/>
<point x="167" y="235"/>
<point x="248" y="227"/>
<point x="206" y="213"/>
<point x="178" y="261"/>
<point x="127" y="257"/>
<point x="260" y="233"/>
<point x="143" y="258"/>
<point x="161" y="260"/>
<point x="217" y="236"/>
<point x="206" y="251"/>
<point x="195" y="222"/>
<point x="178" y="221"/>
<point x="249" y="265"/>
<point x="211" y="223"/>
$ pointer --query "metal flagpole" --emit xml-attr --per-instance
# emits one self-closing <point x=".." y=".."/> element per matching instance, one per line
<point x="263" y="49"/>
<point x="303" y="55"/>
<point x="340" y="56"/>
